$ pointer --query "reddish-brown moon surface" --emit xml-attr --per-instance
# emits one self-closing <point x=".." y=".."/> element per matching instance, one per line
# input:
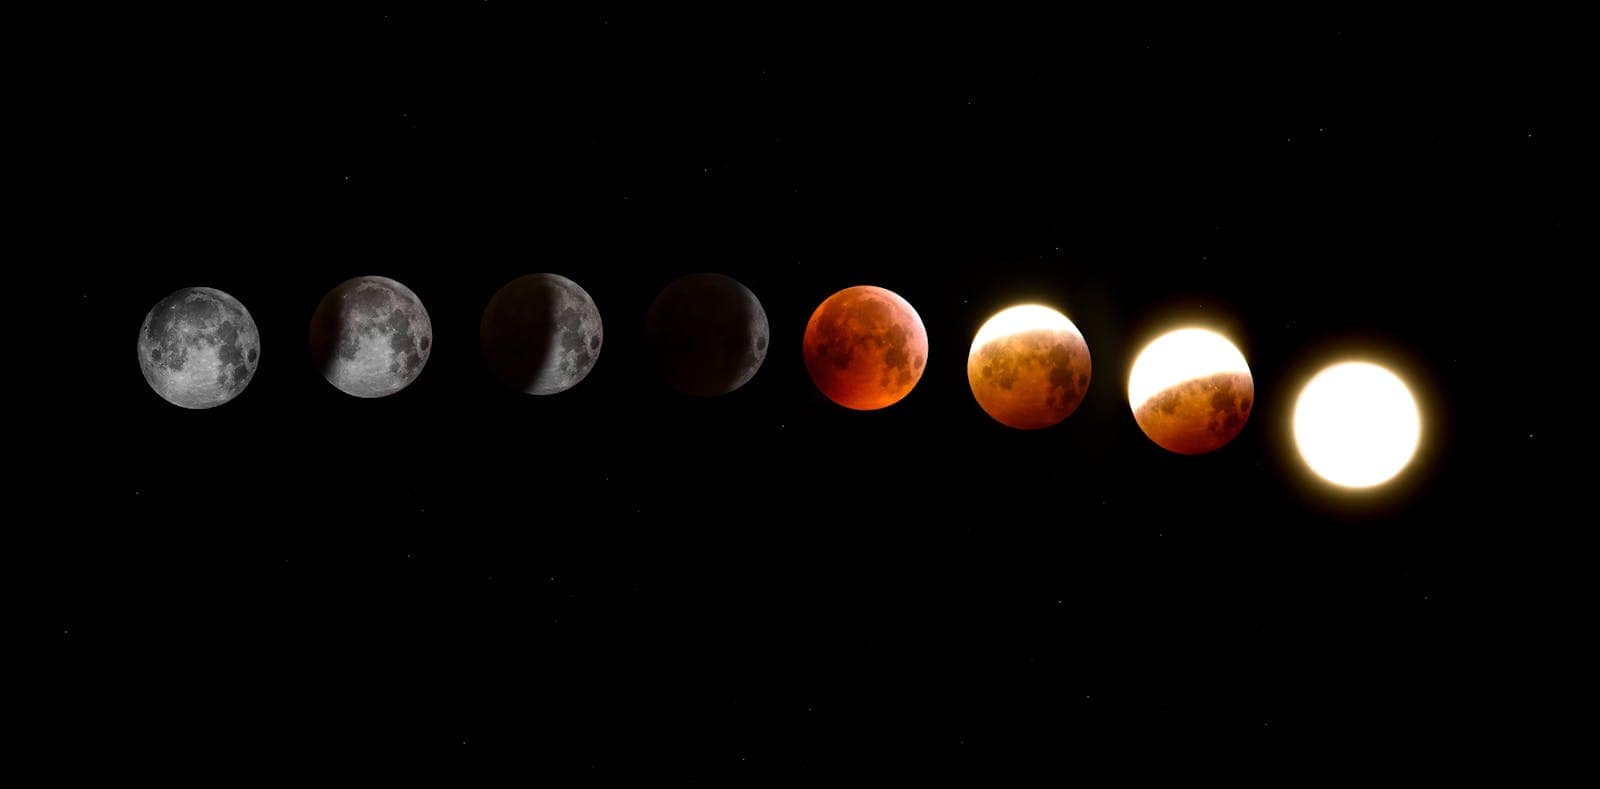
<point x="1191" y="391"/>
<point x="1029" y="367"/>
<point x="865" y="347"/>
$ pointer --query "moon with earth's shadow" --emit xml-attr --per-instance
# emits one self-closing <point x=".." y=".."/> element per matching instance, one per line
<point x="1029" y="367"/>
<point x="198" y="348"/>
<point x="1191" y="391"/>
<point x="541" y="334"/>
<point x="370" y="337"/>
<point x="706" y="334"/>
<point x="865" y="347"/>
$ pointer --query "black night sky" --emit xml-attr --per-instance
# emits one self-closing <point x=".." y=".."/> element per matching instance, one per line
<point x="621" y="583"/>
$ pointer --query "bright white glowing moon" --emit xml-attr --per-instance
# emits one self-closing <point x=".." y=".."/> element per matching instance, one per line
<point x="1356" y="424"/>
<point x="1021" y="318"/>
<point x="1179" y="356"/>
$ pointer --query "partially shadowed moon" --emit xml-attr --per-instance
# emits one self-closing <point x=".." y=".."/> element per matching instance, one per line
<point x="370" y="337"/>
<point x="541" y="334"/>
<point x="1191" y="391"/>
<point x="1029" y="367"/>
<point x="865" y="347"/>
<point x="706" y="334"/>
<point x="198" y="348"/>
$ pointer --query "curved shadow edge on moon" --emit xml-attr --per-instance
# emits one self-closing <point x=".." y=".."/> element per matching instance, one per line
<point x="706" y="335"/>
<point x="1200" y="415"/>
<point x="1031" y="379"/>
<point x="198" y="348"/>
<point x="370" y="337"/>
<point x="865" y="348"/>
<point x="541" y="334"/>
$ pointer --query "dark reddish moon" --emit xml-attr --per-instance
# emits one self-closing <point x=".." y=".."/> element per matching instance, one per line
<point x="1029" y="367"/>
<point x="865" y="347"/>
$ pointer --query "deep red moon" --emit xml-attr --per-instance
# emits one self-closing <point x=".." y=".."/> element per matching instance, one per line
<point x="865" y="347"/>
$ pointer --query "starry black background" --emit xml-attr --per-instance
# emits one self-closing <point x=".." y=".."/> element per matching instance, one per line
<point x="620" y="581"/>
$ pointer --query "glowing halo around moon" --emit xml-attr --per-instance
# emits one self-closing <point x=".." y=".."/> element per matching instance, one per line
<point x="1191" y="391"/>
<point x="1029" y="367"/>
<point x="1356" y="424"/>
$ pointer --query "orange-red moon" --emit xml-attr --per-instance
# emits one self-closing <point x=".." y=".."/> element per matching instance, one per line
<point x="1029" y="367"/>
<point x="865" y="347"/>
<point x="1191" y="391"/>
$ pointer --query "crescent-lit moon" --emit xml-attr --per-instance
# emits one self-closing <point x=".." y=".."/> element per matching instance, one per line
<point x="1357" y="424"/>
<point x="1029" y="367"/>
<point x="1191" y="391"/>
<point x="706" y="334"/>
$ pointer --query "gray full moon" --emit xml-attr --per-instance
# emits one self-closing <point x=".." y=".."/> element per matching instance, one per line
<point x="706" y="334"/>
<point x="198" y="348"/>
<point x="541" y="334"/>
<point x="370" y="337"/>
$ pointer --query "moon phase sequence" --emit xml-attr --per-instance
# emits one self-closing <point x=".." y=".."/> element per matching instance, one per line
<point x="370" y="337"/>
<point x="198" y="348"/>
<point x="1029" y="367"/>
<point x="865" y="348"/>
<point x="1191" y="391"/>
<point x="1356" y="424"/>
<point x="541" y="334"/>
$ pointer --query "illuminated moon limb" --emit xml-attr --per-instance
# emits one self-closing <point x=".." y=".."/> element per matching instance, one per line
<point x="1029" y="367"/>
<point x="1356" y="424"/>
<point x="1191" y="391"/>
